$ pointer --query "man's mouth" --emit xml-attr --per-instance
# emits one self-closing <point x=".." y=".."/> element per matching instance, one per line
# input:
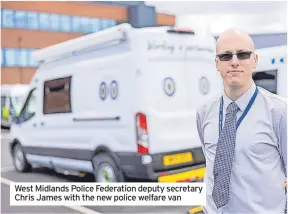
<point x="235" y="71"/>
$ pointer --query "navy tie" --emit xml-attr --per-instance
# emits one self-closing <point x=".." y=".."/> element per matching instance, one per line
<point x="224" y="157"/>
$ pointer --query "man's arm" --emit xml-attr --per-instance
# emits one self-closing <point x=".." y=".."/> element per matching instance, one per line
<point x="283" y="138"/>
<point x="200" y="132"/>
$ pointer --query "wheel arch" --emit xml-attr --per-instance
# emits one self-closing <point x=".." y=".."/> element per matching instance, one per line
<point x="108" y="151"/>
<point x="12" y="145"/>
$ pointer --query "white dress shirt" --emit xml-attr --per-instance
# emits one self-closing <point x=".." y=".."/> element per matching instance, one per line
<point x="260" y="162"/>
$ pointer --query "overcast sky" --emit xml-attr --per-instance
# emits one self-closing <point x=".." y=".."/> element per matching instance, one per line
<point x="216" y="16"/>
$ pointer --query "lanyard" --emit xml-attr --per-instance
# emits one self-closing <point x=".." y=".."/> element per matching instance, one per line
<point x="242" y="116"/>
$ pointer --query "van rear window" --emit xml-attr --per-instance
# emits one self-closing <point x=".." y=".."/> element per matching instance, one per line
<point x="266" y="80"/>
<point x="57" y="97"/>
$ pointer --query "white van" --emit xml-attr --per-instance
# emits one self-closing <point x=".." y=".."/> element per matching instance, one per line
<point x="271" y="71"/>
<point x="12" y="99"/>
<point x="120" y="103"/>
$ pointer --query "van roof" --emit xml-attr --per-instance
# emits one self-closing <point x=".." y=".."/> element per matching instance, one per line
<point x="89" y="42"/>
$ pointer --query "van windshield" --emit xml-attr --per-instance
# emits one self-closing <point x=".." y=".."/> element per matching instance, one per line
<point x="266" y="80"/>
<point x="18" y="102"/>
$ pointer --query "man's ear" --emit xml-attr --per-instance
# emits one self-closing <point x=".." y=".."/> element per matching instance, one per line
<point x="255" y="60"/>
<point x="216" y="63"/>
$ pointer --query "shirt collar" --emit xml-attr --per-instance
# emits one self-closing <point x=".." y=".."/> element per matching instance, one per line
<point x="242" y="101"/>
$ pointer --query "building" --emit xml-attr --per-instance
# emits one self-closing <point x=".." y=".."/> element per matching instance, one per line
<point x="27" y="26"/>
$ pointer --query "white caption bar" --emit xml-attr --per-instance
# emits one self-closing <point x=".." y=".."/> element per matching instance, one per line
<point x="112" y="194"/>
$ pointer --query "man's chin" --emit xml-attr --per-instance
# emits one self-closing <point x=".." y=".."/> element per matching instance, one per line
<point x="235" y="85"/>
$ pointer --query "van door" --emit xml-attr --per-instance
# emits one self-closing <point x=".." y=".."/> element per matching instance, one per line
<point x="174" y="91"/>
<point x="55" y="117"/>
<point x="179" y="76"/>
<point x="24" y="130"/>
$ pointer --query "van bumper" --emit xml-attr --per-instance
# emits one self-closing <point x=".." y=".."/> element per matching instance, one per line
<point x="192" y="174"/>
<point x="133" y="167"/>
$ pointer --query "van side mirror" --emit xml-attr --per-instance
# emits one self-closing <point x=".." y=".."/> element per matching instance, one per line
<point x="12" y="113"/>
<point x="20" y="118"/>
<point x="15" y="119"/>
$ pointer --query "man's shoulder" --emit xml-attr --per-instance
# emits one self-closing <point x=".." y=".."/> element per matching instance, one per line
<point x="209" y="104"/>
<point x="277" y="102"/>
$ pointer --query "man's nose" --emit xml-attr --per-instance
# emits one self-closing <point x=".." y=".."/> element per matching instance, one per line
<point x="234" y="60"/>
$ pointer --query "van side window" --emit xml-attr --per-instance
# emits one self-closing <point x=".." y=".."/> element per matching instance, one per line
<point x="29" y="109"/>
<point x="3" y="101"/>
<point x="266" y="80"/>
<point x="57" y="97"/>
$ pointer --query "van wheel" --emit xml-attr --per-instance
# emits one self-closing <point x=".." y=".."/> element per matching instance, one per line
<point x="106" y="169"/>
<point x="19" y="159"/>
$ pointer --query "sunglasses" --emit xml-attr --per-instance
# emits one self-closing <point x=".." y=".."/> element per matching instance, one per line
<point x="229" y="56"/>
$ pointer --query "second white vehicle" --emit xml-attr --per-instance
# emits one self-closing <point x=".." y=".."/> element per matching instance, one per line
<point x="12" y="100"/>
<point x="271" y="71"/>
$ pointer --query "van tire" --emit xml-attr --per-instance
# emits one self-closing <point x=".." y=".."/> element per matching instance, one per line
<point x="19" y="159"/>
<point x="104" y="163"/>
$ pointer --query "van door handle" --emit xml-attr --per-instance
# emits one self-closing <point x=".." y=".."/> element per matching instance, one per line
<point x="42" y="123"/>
<point x="34" y="125"/>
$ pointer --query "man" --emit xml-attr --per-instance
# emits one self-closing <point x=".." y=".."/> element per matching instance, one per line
<point x="244" y="136"/>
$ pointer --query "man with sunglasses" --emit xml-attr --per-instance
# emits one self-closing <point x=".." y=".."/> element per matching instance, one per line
<point x="244" y="136"/>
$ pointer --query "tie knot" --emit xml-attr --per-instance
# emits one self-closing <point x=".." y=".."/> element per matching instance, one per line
<point x="232" y="108"/>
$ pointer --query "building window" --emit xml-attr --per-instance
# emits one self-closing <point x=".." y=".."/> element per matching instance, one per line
<point x="21" y="19"/>
<point x="82" y="24"/>
<point x="32" y="20"/>
<point x="8" y="18"/>
<point x="65" y="23"/>
<point x="57" y="96"/>
<point x="13" y="57"/>
<point x="31" y="62"/>
<point x="44" y="21"/>
<point x="89" y="25"/>
<point x="2" y="56"/>
<point x="10" y="57"/>
<point x="76" y="24"/>
<point x="55" y="22"/>
<point x="96" y="24"/>
<point x="22" y="59"/>
<point x="113" y="23"/>
<point x="107" y="23"/>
